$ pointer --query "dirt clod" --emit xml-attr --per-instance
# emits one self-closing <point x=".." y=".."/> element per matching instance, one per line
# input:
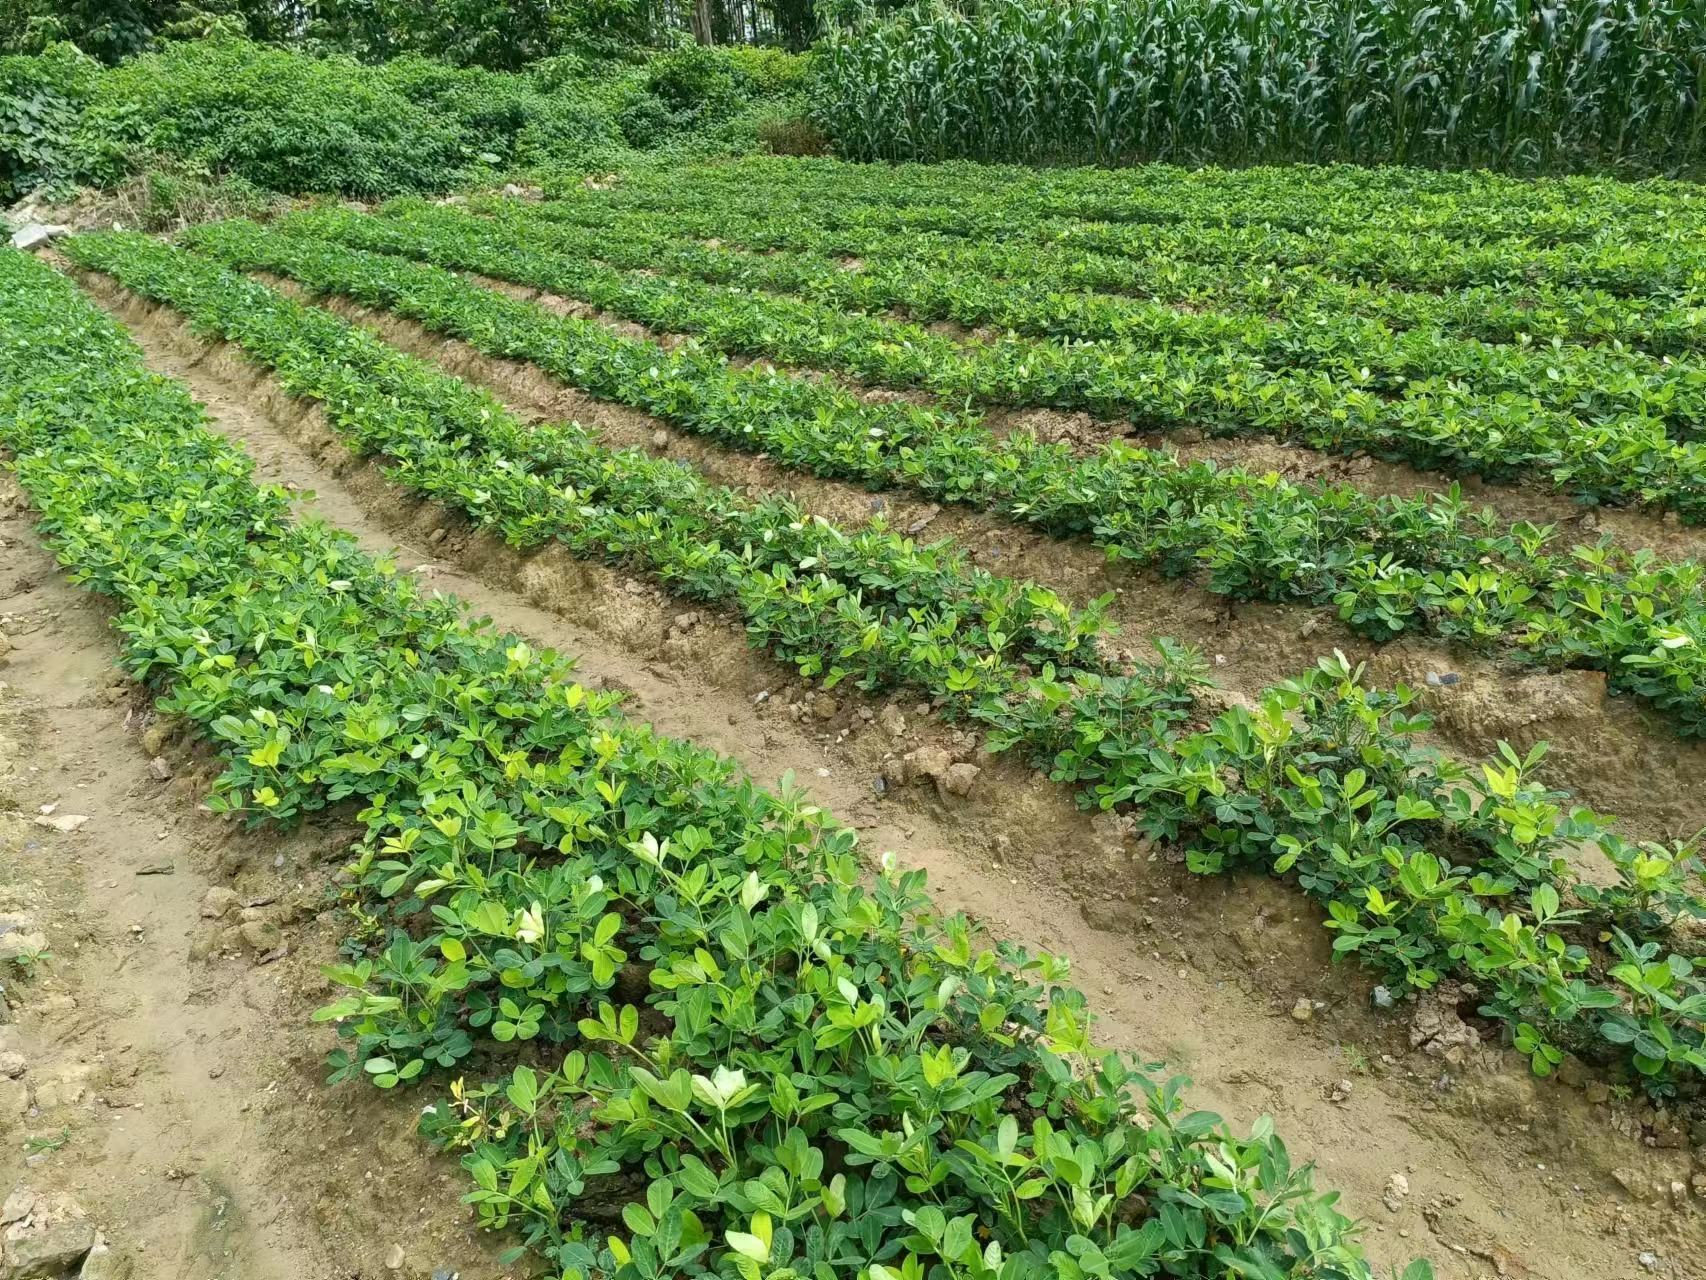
<point x="218" y="902"/>
<point x="959" y="779"/>
<point x="260" y="936"/>
<point x="1439" y="1030"/>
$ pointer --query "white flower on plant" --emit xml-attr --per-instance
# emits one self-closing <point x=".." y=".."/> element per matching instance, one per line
<point x="530" y="924"/>
<point x="650" y="850"/>
<point x="723" y="1087"/>
<point x="753" y="891"/>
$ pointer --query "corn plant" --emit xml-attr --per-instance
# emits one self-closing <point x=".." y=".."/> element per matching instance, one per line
<point x="1502" y="84"/>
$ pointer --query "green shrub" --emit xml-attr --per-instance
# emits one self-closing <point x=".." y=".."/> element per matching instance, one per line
<point x="279" y="120"/>
<point x="40" y="98"/>
<point x="569" y="132"/>
<point x="228" y="109"/>
<point x="769" y="72"/>
<point x="696" y="80"/>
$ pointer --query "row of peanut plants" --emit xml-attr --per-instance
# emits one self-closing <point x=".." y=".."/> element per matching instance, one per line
<point x="781" y="219"/>
<point x="1472" y="206"/>
<point x="1100" y="331"/>
<point x="1665" y="259"/>
<point x="1387" y="565"/>
<point x="1422" y="875"/>
<point x="678" y="1032"/>
<point x="1224" y="372"/>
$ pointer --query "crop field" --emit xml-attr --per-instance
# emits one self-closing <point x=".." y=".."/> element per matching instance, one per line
<point x="1277" y="591"/>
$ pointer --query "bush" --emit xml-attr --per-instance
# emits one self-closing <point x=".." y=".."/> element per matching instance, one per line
<point x="769" y="72"/>
<point x="793" y="136"/>
<point x="280" y="120"/>
<point x="228" y="109"/>
<point x="40" y="98"/>
<point x="569" y="132"/>
<point x="696" y="81"/>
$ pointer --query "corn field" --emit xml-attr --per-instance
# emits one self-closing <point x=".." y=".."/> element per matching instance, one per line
<point x="1503" y="84"/>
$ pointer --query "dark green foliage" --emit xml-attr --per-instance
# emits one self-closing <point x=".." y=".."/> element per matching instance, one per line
<point x="523" y="846"/>
<point x="40" y="99"/>
<point x="502" y="34"/>
<point x="283" y="121"/>
<point x="1612" y="85"/>
<point x="112" y="30"/>
<point x="280" y="120"/>
<point x="693" y="90"/>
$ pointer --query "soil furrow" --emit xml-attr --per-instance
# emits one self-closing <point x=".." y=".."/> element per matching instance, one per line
<point x="1612" y="753"/>
<point x="1205" y="972"/>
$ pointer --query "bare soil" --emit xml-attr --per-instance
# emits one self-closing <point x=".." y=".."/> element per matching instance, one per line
<point x="1507" y="1176"/>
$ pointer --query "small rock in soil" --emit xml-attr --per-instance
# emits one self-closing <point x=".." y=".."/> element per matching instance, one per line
<point x="156" y="869"/>
<point x="62" y="822"/>
<point x="1437" y="1029"/>
<point x="1397" y="1187"/>
<point x="103" y="1264"/>
<point x="1304" y="1009"/>
<point x="1648" y="1260"/>
<point x="36" y="234"/>
<point x="66" y="1087"/>
<point x="260" y="936"/>
<point x="394" y="1259"/>
<point x="160" y="769"/>
<point x="1382" y="998"/>
<point x="925" y="762"/>
<point x="824" y="707"/>
<point x="13" y="1065"/>
<point x="1339" y="1091"/>
<point x="923" y="521"/>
